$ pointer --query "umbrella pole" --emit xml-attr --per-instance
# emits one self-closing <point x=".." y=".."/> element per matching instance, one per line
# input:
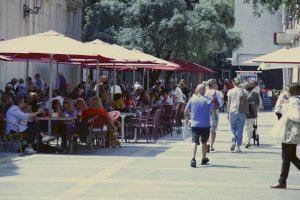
<point x="114" y="79"/>
<point x="56" y="77"/>
<point x="175" y="78"/>
<point x="97" y="81"/>
<point x="143" y="77"/>
<point x="148" y="79"/>
<point x="86" y="80"/>
<point x="133" y="75"/>
<point x="27" y="74"/>
<point x="50" y="94"/>
<point x="122" y="76"/>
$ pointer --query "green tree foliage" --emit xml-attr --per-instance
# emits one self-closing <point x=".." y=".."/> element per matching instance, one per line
<point x="274" y="5"/>
<point x="195" y="30"/>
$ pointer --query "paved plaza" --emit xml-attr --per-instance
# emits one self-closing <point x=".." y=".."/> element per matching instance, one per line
<point x="151" y="171"/>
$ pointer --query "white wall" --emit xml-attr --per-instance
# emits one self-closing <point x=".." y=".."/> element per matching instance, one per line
<point x="53" y="16"/>
<point x="256" y="32"/>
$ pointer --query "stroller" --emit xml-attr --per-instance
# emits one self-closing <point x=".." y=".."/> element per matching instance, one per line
<point x="255" y="135"/>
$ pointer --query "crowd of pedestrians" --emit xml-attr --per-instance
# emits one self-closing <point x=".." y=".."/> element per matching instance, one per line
<point x="242" y="107"/>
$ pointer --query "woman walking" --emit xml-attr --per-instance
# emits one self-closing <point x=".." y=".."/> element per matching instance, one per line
<point x="254" y="103"/>
<point x="289" y="133"/>
<point x="282" y="99"/>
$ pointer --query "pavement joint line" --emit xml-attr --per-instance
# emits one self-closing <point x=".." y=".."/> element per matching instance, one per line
<point x="88" y="183"/>
<point x="198" y="183"/>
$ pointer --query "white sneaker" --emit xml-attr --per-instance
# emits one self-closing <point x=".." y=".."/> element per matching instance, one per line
<point x="47" y="138"/>
<point x="30" y="150"/>
<point x="238" y="150"/>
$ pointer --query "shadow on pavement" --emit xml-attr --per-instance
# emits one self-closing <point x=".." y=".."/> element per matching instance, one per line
<point x="228" y="166"/>
<point x="295" y="189"/>
<point x="7" y="164"/>
<point x="127" y="151"/>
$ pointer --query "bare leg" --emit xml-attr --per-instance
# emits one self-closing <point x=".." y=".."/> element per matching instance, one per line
<point x="212" y="139"/>
<point x="204" y="150"/>
<point x="194" y="149"/>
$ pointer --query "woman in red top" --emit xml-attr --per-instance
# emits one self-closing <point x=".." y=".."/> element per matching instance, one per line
<point x="96" y="109"/>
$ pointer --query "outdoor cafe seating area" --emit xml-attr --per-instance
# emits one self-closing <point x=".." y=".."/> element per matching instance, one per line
<point x="134" y="115"/>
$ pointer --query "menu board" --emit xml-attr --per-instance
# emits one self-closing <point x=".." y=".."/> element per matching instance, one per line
<point x="266" y="101"/>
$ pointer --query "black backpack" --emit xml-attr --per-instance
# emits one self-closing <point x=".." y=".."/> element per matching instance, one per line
<point x="243" y="105"/>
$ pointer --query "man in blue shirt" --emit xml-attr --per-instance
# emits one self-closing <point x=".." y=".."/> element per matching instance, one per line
<point x="199" y="108"/>
<point x="16" y="121"/>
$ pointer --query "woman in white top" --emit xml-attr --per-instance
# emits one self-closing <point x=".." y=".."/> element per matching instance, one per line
<point x="236" y="117"/>
<point x="291" y="134"/>
<point x="282" y="99"/>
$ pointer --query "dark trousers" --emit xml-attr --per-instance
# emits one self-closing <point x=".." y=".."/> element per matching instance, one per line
<point x="82" y="129"/>
<point x="279" y="115"/>
<point x="288" y="156"/>
<point x="30" y="133"/>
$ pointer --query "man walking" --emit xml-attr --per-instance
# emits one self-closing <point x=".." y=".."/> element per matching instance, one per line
<point x="199" y="108"/>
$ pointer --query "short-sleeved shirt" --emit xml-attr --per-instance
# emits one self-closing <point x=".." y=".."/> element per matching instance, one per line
<point x="234" y="95"/>
<point x="178" y="94"/>
<point x="211" y="93"/>
<point x="200" y="107"/>
<point x="16" y="120"/>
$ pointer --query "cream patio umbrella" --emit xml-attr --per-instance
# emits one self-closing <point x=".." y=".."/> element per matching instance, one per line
<point x="282" y="56"/>
<point x="280" y="59"/>
<point x="48" y="47"/>
<point x="129" y="58"/>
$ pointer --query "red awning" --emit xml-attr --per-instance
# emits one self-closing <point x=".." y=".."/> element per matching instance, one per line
<point x="192" y="67"/>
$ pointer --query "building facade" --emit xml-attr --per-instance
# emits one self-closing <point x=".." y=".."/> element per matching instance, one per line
<point x="63" y="16"/>
<point x="257" y="35"/>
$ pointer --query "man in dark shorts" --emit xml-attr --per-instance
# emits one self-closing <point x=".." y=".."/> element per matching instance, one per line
<point x="199" y="108"/>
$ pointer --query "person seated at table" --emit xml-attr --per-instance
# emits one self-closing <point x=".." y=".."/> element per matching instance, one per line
<point x="56" y="108"/>
<point x="17" y="122"/>
<point x="33" y="105"/>
<point x="118" y="102"/>
<point x="96" y="109"/>
<point x="143" y="101"/>
<point x="165" y="99"/>
<point x="34" y="101"/>
<point x="59" y="127"/>
<point x="69" y="109"/>
<point x="6" y="102"/>
<point x="129" y="102"/>
<point x="9" y="91"/>
<point x="107" y="102"/>
<point x="81" y="127"/>
<point x="55" y="96"/>
<point x="78" y="92"/>
<point x="80" y="106"/>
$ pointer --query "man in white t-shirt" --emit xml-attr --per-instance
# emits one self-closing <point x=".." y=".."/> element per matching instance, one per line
<point x="176" y="93"/>
<point x="236" y="118"/>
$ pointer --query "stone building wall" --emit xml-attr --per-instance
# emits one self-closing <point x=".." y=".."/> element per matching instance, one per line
<point x="64" y="16"/>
